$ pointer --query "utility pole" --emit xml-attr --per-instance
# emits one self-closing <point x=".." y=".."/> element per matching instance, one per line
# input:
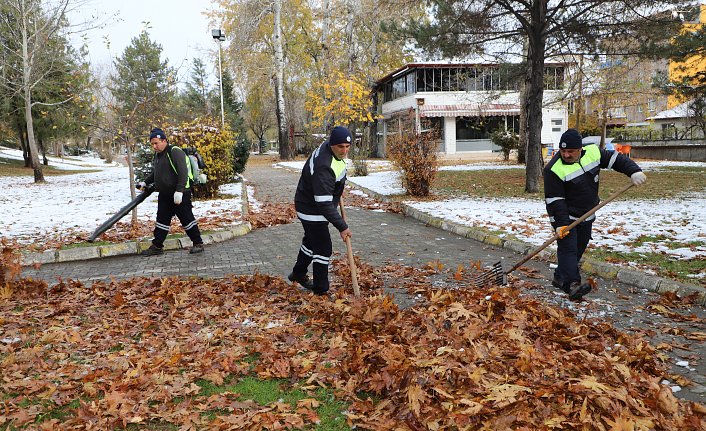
<point x="219" y="37"/>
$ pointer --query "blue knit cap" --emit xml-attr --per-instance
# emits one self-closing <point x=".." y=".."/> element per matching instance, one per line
<point x="339" y="135"/>
<point x="571" y="139"/>
<point x="157" y="133"/>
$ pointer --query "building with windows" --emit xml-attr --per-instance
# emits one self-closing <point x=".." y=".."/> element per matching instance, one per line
<point x="627" y="91"/>
<point x="466" y="102"/>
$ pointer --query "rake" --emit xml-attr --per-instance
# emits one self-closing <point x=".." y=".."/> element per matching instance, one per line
<point x="351" y="259"/>
<point x="496" y="276"/>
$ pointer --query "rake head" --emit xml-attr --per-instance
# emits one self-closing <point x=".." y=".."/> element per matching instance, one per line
<point x="495" y="276"/>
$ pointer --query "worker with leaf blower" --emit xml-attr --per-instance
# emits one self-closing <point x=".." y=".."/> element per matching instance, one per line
<point x="172" y="180"/>
<point x="570" y="190"/>
<point x="319" y="190"/>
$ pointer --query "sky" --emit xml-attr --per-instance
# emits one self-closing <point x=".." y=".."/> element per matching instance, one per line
<point x="178" y="25"/>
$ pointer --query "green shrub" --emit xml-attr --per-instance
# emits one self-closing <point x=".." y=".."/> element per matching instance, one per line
<point x="241" y="153"/>
<point x="142" y="160"/>
<point x="506" y="140"/>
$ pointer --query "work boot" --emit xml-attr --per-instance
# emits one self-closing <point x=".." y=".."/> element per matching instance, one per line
<point x="152" y="251"/>
<point x="303" y="280"/>
<point x="576" y="290"/>
<point x="197" y="248"/>
<point x="556" y="282"/>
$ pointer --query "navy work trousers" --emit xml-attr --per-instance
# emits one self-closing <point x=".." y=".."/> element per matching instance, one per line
<point x="167" y="209"/>
<point x="569" y="252"/>
<point x="316" y="249"/>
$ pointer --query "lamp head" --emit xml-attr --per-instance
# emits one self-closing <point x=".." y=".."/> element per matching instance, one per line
<point x="217" y="34"/>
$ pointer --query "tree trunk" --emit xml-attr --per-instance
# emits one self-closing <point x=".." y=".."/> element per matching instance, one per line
<point x="285" y="149"/>
<point x="131" y="173"/>
<point x="604" y="122"/>
<point x="26" y="84"/>
<point x="350" y="36"/>
<point x="325" y="68"/>
<point x="578" y="107"/>
<point x="23" y="142"/>
<point x="534" y="88"/>
<point x="45" y="161"/>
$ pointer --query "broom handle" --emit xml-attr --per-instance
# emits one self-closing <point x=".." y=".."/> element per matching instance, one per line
<point x="571" y="226"/>
<point x="351" y="260"/>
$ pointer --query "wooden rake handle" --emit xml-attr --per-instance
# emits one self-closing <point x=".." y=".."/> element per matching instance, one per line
<point x="351" y="260"/>
<point x="588" y="214"/>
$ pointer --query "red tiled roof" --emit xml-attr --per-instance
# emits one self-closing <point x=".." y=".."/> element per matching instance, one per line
<point x="469" y="110"/>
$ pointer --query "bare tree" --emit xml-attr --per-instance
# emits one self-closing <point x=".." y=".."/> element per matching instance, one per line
<point x="286" y="151"/>
<point x="28" y="26"/>
<point x="258" y="114"/>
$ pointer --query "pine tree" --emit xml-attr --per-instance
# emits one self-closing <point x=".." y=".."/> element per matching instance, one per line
<point x="142" y="87"/>
<point x="196" y="96"/>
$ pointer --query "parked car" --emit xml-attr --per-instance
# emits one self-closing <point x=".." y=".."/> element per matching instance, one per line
<point x="597" y="140"/>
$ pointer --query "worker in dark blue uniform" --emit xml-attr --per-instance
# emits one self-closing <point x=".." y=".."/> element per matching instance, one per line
<point x="172" y="178"/>
<point x="571" y="190"/>
<point x="318" y="193"/>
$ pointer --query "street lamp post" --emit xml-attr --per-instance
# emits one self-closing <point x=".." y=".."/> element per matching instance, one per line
<point x="219" y="37"/>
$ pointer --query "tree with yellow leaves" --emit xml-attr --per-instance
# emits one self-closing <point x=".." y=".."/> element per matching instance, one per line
<point x="341" y="99"/>
<point x="215" y="144"/>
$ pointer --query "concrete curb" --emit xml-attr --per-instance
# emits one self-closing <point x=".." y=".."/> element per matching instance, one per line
<point x="591" y="266"/>
<point x="134" y="247"/>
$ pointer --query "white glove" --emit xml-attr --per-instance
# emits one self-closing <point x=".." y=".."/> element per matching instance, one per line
<point x="141" y="185"/>
<point x="638" y="178"/>
<point x="177" y="197"/>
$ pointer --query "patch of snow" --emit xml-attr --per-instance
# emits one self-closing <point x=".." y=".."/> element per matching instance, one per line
<point x="253" y="203"/>
<point x="83" y="201"/>
<point x="480" y="167"/>
<point x="618" y="225"/>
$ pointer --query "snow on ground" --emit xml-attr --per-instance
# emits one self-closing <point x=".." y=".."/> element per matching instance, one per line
<point x="254" y="205"/>
<point x="83" y="201"/>
<point x="479" y="167"/>
<point x="618" y="224"/>
<point x="373" y="165"/>
<point x="66" y="163"/>
<point x="660" y="165"/>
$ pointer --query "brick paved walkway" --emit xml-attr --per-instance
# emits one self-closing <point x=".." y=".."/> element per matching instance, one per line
<point x="379" y="238"/>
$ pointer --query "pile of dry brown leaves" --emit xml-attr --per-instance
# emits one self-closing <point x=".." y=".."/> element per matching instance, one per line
<point x="132" y="352"/>
<point x="271" y="214"/>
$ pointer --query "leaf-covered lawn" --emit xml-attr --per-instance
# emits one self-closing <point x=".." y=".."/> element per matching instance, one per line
<point x="181" y="353"/>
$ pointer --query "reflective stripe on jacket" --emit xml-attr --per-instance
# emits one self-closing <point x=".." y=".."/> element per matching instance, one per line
<point x="571" y="189"/>
<point x="320" y="188"/>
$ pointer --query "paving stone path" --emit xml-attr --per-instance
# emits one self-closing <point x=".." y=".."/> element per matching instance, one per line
<point x="380" y="238"/>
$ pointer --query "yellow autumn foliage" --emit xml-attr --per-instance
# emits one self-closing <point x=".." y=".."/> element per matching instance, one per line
<point x="215" y="146"/>
<point x="343" y="99"/>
